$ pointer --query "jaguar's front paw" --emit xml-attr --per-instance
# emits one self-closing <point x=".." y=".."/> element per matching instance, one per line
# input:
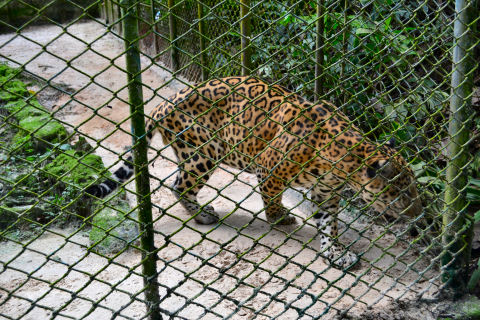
<point x="206" y="216"/>
<point x="340" y="257"/>
<point x="280" y="217"/>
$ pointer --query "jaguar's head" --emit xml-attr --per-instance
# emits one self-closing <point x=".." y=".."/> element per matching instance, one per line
<point x="389" y="185"/>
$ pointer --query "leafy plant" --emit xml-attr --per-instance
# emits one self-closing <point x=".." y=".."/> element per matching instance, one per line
<point x="475" y="277"/>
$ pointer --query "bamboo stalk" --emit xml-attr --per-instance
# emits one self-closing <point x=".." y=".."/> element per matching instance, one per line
<point x="457" y="227"/>
<point x="319" y="51"/>
<point x="154" y="27"/>
<point x="245" y="32"/>
<point x="201" y="31"/>
<point x="346" y="29"/>
<point x="172" y="21"/>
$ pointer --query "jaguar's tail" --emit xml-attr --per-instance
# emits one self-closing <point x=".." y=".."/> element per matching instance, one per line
<point x="123" y="173"/>
<point x="120" y="175"/>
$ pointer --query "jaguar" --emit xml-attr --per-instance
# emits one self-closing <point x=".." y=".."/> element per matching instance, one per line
<point x="286" y="141"/>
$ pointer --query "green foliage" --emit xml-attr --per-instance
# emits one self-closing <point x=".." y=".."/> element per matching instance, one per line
<point x="467" y="308"/>
<point x="432" y="183"/>
<point x="368" y="55"/>
<point x="435" y="181"/>
<point x="368" y="59"/>
<point x="474" y="279"/>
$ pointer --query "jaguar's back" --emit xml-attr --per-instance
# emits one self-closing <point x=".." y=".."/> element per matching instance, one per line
<point x="235" y="119"/>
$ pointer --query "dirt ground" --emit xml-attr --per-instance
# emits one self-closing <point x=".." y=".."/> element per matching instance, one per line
<point x="57" y="276"/>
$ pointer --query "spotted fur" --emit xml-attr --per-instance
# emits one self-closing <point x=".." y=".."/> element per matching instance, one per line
<point x="286" y="142"/>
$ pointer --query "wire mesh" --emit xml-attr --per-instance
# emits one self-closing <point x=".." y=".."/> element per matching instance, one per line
<point x="65" y="122"/>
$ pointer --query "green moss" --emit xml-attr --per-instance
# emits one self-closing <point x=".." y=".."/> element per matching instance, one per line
<point x="34" y="120"/>
<point x="10" y="88"/>
<point x="6" y="71"/>
<point x="21" y="109"/>
<point x="13" y="90"/>
<point x="77" y="170"/>
<point x="31" y="129"/>
<point x="44" y="127"/>
<point x="68" y="174"/>
<point x="112" y="230"/>
<point x="45" y="130"/>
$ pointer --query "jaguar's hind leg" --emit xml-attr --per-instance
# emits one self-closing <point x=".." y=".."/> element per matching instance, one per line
<point x="193" y="173"/>
<point x="271" y="189"/>
<point x="327" y="206"/>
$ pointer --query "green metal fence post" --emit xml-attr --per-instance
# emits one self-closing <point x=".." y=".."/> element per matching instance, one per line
<point x="319" y="55"/>
<point x="201" y="31"/>
<point x="172" y="21"/>
<point x="142" y="181"/>
<point x="245" y="34"/>
<point x="456" y="224"/>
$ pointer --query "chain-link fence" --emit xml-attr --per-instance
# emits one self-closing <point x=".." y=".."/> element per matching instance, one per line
<point x="234" y="212"/>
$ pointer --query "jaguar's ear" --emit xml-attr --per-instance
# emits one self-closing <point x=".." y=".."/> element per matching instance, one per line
<point x="382" y="167"/>
<point x="390" y="143"/>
